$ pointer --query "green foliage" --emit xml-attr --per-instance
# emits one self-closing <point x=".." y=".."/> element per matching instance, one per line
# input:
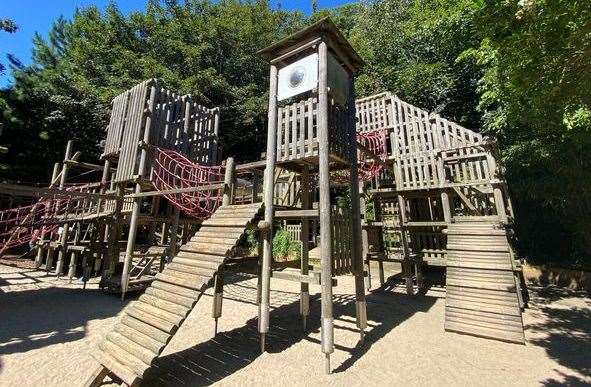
<point x="199" y="47"/>
<point x="284" y="247"/>
<point x="411" y="48"/>
<point x="535" y="99"/>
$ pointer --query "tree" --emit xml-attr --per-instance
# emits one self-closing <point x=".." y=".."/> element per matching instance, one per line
<point x="535" y="99"/>
<point x="7" y="25"/>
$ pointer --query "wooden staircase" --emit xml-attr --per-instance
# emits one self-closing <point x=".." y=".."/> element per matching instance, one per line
<point x="482" y="291"/>
<point x="148" y="324"/>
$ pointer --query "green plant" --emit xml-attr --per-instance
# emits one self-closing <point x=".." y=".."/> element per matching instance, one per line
<point x="284" y="246"/>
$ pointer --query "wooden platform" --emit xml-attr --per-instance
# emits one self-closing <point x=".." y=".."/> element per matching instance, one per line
<point x="148" y="324"/>
<point x="482" y="293"/>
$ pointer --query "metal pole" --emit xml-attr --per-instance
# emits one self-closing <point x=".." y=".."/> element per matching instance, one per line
<point x="268" y="197"/>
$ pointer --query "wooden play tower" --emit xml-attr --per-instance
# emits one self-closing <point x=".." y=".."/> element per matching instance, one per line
<point x="311" y="133"/>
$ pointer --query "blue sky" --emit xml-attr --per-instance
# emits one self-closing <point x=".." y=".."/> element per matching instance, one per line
<point x="38" y="15"/>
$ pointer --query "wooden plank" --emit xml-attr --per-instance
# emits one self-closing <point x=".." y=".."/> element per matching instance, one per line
<point x="150" y="319"/>
<point x="171" y="297"/>
<point x="125" y="358"/>
<point x="153" y="332"/>
<point x="167" y="306"/>
<point x="123" y="372"/>
<point x="140" y="338"/>
<point x="130" y="346"/>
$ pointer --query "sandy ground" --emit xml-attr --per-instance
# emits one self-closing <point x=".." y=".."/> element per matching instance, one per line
<point x="48" y="326"/>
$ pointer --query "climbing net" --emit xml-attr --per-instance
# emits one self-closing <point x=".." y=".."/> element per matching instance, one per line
<point x="41" y="219"/>
<point x="375" y="142"/>
<point x="367" y="167"/>
<point x="171" y="170"/>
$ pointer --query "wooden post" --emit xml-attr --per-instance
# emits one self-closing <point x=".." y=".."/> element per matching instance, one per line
<point x="304" y="239"/>
<point x="173" y="230"/>
<point x="327" y="330"/>
<point x="357" y="255"/>
<point x="364" y="239"/>
<point x="113" y="238"/>
<point x="268" y="198"/>
<point x="218" y="296"/>
<point x="137" y="201"/>
<point x="74" y="255"/>
<point x="406" y="264"/>
<point x="66" y="227"/>
<point x="500" y="204"/>
<point x="229" y="182"/>
<point x="445" y="205"/>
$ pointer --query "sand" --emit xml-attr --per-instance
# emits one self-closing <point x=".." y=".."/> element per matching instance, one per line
<point x="48" y="326"/>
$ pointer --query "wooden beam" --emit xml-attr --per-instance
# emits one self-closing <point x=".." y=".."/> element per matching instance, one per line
<point x="175" y="191"/>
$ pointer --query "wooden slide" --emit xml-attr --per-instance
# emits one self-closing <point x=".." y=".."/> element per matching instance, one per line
<point x="148" y="324"/>
<point x="482" y="291"/>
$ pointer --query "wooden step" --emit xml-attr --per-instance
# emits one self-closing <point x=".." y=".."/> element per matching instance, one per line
<point x="123" y="372"/>
<point x="165" y="305"/>
<point x="205" y="264"/>
<point x="149" y="323"/>
<point x="140" y="338"/>
<point x="176" y="290"/>
<point x="162" y="336"/>
<point x="124" y="357"/>
<point x="190" y="284"/>
<point x="194" y="270"/>
<point x="142" y="353"/>
<point x="150" y="319"/>
<point x="168" y="296"/>
<point x="200" y="257"/>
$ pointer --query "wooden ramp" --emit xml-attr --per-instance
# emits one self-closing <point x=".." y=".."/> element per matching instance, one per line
<point x="482" y="292"/>
<point x="148" y="324"/>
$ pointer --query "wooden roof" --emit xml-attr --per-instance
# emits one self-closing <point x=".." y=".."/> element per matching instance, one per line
<point x="324" y="28"/>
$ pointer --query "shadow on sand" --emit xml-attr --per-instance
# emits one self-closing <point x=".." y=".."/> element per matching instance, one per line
<point x="37" y="318"/>
<point x="233" y="350"/>
<point x="566" y="333"/>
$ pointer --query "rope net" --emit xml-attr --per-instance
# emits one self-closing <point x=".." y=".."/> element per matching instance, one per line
<point x="41" y="219"/>
<point x="171" y="170"/>
<point x="376" y="143"/>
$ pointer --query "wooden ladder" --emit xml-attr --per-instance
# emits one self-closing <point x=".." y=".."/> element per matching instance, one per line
<point x="483" y="296"/>
<point x="148" y="324"/>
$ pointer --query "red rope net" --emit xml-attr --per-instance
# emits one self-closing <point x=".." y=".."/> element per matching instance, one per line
<point x="172" y="170"/>
<point x="375" y="142"/>
<point x="39" y="220"/>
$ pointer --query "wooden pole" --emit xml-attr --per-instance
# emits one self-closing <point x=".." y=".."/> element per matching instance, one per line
<point x="364" y="240"/>
<point x="66" y="227"/>
<point x="406" y="264"/>
<point x="137" y="201"/>
<point x="269" y="189"/>
<point x="74" y="255"/>
<point x="218" y="297"/>
<point x="324" y="207"/>
<point x="445" y="205"/>
<point x="304" y="239"/>
<point x="360" y="303"/>
<point x="39" y="258"/>
<point x="229" y="182"/>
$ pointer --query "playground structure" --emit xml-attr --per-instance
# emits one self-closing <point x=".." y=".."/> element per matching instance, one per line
<point x="169" y="216"/>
